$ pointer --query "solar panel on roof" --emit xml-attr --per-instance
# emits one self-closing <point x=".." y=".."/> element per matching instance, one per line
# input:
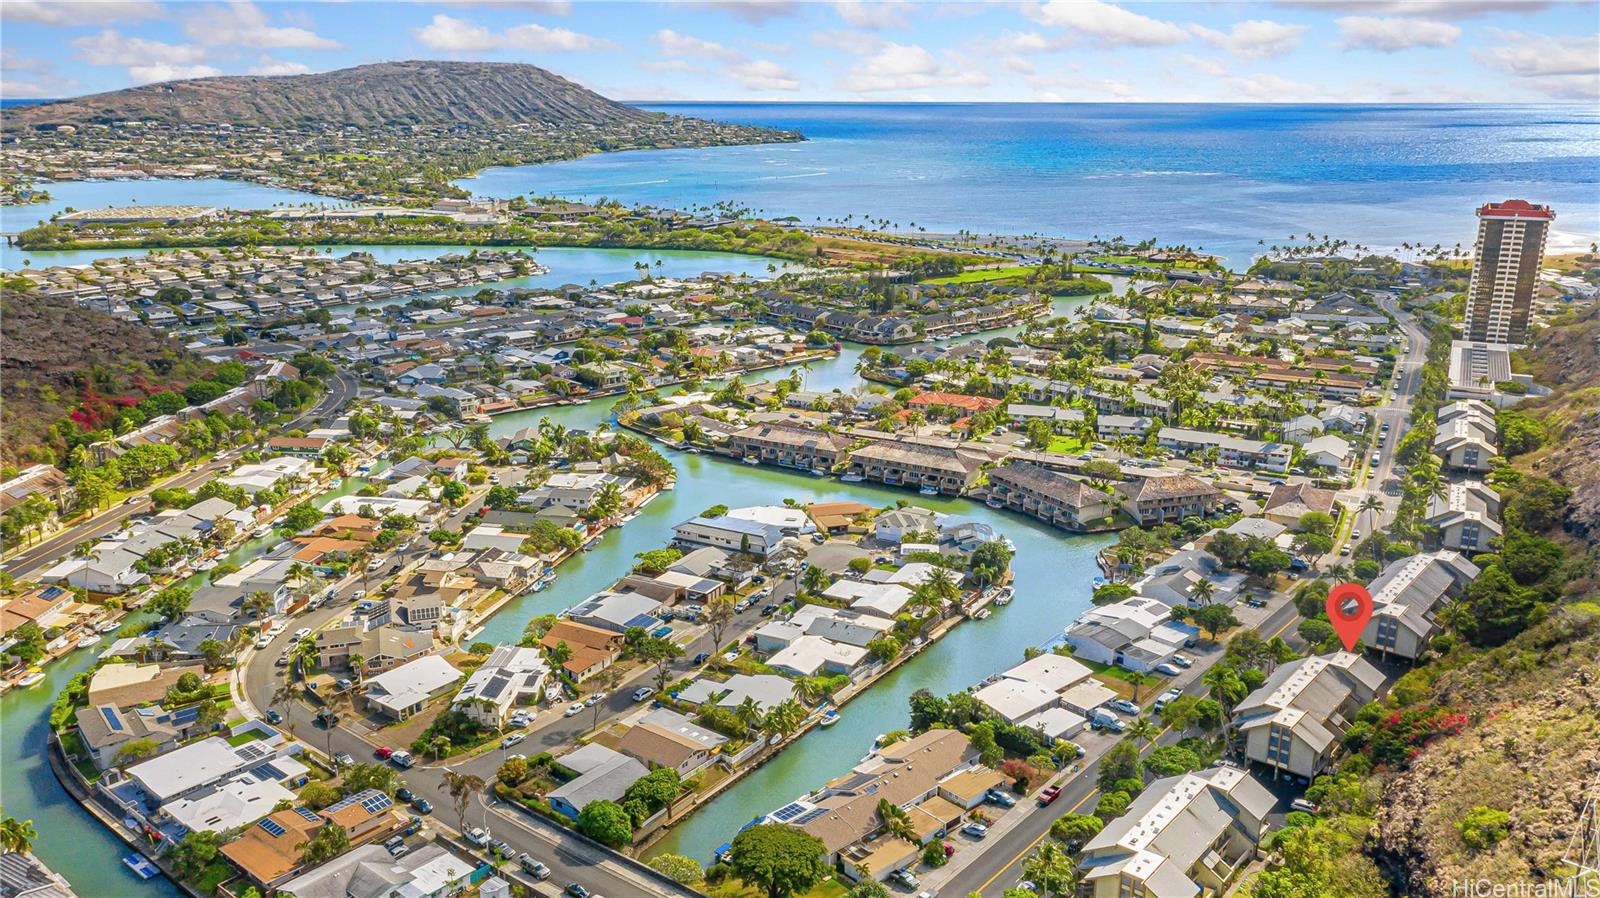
<point x="51" y="592"/>
<point x="273" y="827"/>
<point x="376" y="803"/>
<point x="308" y="814"/>
<point x="111" y="719"/>
<point x="788" y="812"/>
<point x="251" y="751"/>
<point x="809" y="816"/>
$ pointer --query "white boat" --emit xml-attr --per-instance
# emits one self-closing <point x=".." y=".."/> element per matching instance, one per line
<point x="208" y="564"/>
<point x="819" y="472"/>
<point x="981" y="614"/>
<point x="107" y="626"/>
<point x="141" y="867"/>
<point x="35" y="677"/>
<point x="851" y="477"/>
<point x="829" y="718"/>
<point x="88" y="639"/>
<point x="751" y="460"/>
<point x="261" y="531"/>
<point x="929" y="491"/>
<point x="1003" y="595"/>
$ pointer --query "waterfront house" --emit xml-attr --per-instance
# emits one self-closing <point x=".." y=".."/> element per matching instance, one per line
<point x="270" y="852"/>
<point x="734" y="534"/>
<point x="1048" y="495"/>
<point x="617" y="611"/>
<point x="789" y="446"/>
<point x="590" y="649"/>
<point x="809" y="655"/>
<point x="105" y="729"/>
<point x="602" y="775"/>
<point x="1172" y="580"/>
<point x="665" y="738"/>
<point x="1182" y="837"/>
<point x="1293" y="721"/>
<point x="767" y="691"/>
<point x="893" y="527"/>
<point x="1405" y="597"/>
<point x="1159" y="500"/>
<point x="911" y="775"/>
<point x="370" y="872"/>
<point x="950" y="471"/>
<point x="405" y="690"/>
<point x="1108" y="633"/>
<point x="381" y="647"/>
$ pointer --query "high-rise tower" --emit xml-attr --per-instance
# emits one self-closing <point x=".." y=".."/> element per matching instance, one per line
<point x="1505" y="268"/>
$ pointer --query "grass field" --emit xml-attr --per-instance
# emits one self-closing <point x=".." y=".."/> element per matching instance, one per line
<point x="986" y="274"/>
<point x="1065" y="445"/>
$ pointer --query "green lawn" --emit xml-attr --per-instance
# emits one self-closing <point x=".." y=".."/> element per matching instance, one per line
<point x="733" y="888"/>
<point x="215" y="875"/>
<point x="238" y="739"/>
<point x="986" y="274"/>
<point x="1065" y="445"/>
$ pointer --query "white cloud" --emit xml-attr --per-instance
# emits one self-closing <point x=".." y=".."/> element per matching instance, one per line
<point x="1204" y="66"/>
<point x="893" y="67"/>
<point x="752" y="74"/>
<point x="763" y="74"/>
<point x="79" y="12"/>
<point x="1255" y="39"/>
<point x="451" y="35"/>
<point x="1391" y="35"/>
<point x="111" y="47"/>
<point x="672" y="65"/>
<point x="161" y="71"/>
<point x="1432" y="9"/>
<point x="552" y="7"/>
<point x="244" y="23"/>
<point x="1273" y="89"/>
<point x="1107" y="23"/>
<point x="858" y="42"/>
<point x="672" y="43"/>
<point x="267" y="65"/>
<point x="1563" y="68"/>
<point x="873" y="13"/>
<point x="757" y="12"/>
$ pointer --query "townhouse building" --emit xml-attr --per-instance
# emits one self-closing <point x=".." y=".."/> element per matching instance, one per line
<point x="950" y="471"/>
<point x="1048" y="495"/>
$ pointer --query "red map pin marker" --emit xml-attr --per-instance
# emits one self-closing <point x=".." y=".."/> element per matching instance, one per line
<point x="1349" y="608"/>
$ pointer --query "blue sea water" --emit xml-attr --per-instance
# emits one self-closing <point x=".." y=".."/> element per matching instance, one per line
<point x="1221" y="177"/>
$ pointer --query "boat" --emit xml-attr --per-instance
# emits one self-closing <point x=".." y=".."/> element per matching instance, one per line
<point x="670" y="484"/>
<point x="34" y="677"/>
<point x="981" y="614"/>
<point x="751" y="460"/>
<point x="208" y="564"/>
<point x="261" y="531"/>
<point x="88" y="639"/>
<point x="1003" y="595"/>
<point x="851" y="477"/>
<point x="829" y="718"/>
<point x="107" y="626"/>
<point x="929" y="491"/>
<point x="141" y="866"/>
<point x="819" y="472"/>
<point x="693" y="450"/>
<point x="543" y="583"/>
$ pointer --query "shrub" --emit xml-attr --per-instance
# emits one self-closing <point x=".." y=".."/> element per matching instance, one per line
<point x="1483" y="827"/>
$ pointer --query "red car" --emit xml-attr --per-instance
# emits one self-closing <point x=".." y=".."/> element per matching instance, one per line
<point x="1049" y="795"/>
<point x="384" y="752"/>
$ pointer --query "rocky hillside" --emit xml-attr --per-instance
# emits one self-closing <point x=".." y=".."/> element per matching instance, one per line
<point x="58" y="359"/>
<point x="1566" y="358"/>
<point x="427" y="93"/>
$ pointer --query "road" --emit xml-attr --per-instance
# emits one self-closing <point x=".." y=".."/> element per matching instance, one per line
<point x="999" y="866"/>
<point x="34" y="559"/>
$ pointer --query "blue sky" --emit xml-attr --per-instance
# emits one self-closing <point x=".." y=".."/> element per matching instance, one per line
<point x="891" y="50"/>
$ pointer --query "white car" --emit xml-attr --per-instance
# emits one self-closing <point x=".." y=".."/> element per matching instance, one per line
<point x="594" y="699"/>
<point x="573" y="710"/>
<point x="477" y="836"/>
<point x="276" y="628"/>
<point x="512" y="739"/>
<point x="302" y="633"/>
<point x="264" y="641"/>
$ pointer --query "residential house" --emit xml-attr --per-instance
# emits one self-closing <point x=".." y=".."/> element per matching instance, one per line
<point x="1405" y="597"/>
<point x="951" y="471"/>
<point x="734" y="534"/>
<point x="1464" y="516"/>
<point x="665" y="738"/>
<point x="1293" y="722"/>
<point x="1290" y="502"/>
<point x="602" y="775"/>
<point x="405" y="690"/>
<point x="1183" y="837"/>
<point x="1231" y="451"/>
<point x="1048" y="495"/>
<point x="896" y="526"/>
<point x="510" y="676"/>
<point x="589" y="649"/>
<point x="789" y="446"/>
<point x="1159" y="500"/>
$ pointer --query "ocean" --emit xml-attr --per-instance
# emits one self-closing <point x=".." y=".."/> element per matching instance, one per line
<point x="1216" y="177"/>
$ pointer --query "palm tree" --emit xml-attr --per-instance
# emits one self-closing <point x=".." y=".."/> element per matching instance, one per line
<point x="1051" y="869"/>
<point x="896" y="822"/>
<point x="462" y="786"/>
<point x="1136" y="679"/>
<point x="1370" y="505"/>
<point x="1144" y="728"/>
<point x="439" y="747"/>
<point x="1203" y="591"/>
<point x="748" y="713"/>
<point x="17" y="835"/>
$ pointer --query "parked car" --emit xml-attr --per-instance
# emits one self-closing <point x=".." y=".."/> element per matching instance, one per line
<point x="302" y="633"/>
<point x="643" y="692"/>
<point x="594" y="698"/>
<point x="1301" y="804"/>
<point x="701" y="658"/>
<point x="573" y="710"/>
<point x="769" y="610"/>
<point x="397" y="847"/>
<point x="905" y="877"/>
<point x="532" y="867"/>
<point x="975" y="830"/>
<point x="1183" y="661"/>
<point x="741" y="606"/>
<point x="383" y="752"/>
<point x="1166" y="698"/>
<point x="1169" y="670"/>
<point x="264" y="641"/>
<point x="576" y="890"/>
<point x="1001" y="798"/>
<point x="512" y="739"/>
<point x="1124" y="706"/>
<point x="343" y="760"/>
<point x="422" y="806"/>
<point x="476" y="836"/>
<point x="402" y="759"/>
<point x="1049" y="795"/>
<point x="405" y="794"/>
<point x="273" y="716"/>
<point x="499" y="847"/>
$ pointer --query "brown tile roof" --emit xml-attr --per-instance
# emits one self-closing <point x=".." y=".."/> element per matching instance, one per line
<point x="1171" y="487"/>
<point x="265" y="857"/>
<point x="905" y="771"/>
<point x="651" y="744"/>
<point x="1311" y="497"/>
